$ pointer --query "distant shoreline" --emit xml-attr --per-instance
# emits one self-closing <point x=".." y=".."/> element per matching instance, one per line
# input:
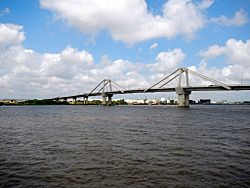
<point x="68" y="104"/>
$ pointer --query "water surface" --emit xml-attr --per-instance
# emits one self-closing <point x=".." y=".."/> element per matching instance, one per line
<point x="125" y="146"/>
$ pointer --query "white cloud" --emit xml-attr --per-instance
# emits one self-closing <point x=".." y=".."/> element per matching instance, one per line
<point x="41" y="75"/>
<point x="227" y="75"/>
<point x="212" y="51"/>
<point x="25" y="73"/>
<point x="236" y="54"/>
<point x="227" y="71"/>
<point x="73" y="71"/>
<point x="153" y="46"/>
<point x="168" y="60"/>
<point x="11" y="34"/>
<point x="204" y="4"/>
<point x="240" y="18"/>
<point x="71" y="55"/>
<point x="129" y="20"/>
<point x="67" y="64"/>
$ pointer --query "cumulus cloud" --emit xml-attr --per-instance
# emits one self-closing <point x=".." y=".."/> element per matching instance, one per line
<point x="28" y="73"/>
<point x="205" y="4"/>
<point x="236" y="54"/>
<point x="25" y="73"/>
<point x="231" y="74"/>
<point x="11" y="34"/>
<point x="168" y="60"/>
<point x="66" y="64"/>
<point x="129" y="20"/>
<point x="212" y="51"/>
<point x="240" y="18"/>
<point x="71" y="71"/>
<point x="236" y="57"/>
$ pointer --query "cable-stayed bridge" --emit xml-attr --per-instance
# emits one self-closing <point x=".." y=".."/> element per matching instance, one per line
<point x="107" y="88"/>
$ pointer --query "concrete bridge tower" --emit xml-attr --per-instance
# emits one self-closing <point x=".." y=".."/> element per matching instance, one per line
<point x="182" y="91"/>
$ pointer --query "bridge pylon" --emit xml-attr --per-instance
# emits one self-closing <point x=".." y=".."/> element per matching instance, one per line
<point x="183" y="94"/>
<point x="105" y="87"/>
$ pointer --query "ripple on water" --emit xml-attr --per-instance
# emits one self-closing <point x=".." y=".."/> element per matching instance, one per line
<point x="124" y="146"/>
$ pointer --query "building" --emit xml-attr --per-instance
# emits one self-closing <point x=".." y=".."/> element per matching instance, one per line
<point x="205" y="101"/>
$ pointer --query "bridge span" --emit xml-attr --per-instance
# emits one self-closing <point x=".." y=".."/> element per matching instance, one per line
<point x="105" y="88"/>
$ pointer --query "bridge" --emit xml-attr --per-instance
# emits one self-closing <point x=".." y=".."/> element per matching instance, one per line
<point x="106" y="87"/>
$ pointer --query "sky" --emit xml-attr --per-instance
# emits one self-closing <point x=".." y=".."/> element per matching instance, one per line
<point x="52" y="48"/>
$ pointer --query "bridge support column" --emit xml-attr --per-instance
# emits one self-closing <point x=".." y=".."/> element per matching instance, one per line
<point x="109" y="100"/>
<point x="183" y="97"/>
<point x="85" y="100"/>
<point x="106" y="102"/>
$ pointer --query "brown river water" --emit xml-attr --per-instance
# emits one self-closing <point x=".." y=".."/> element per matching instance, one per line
<point x="125" y="146"/>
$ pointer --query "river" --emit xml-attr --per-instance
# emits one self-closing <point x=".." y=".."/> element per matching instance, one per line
<point x="125" y="146"/>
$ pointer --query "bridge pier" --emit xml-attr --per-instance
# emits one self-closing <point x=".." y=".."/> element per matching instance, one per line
<point x="85" y="100"/>
<point x="183" y="97"/>
<point x="109" y="100"/>
<point x="106" y="102"/>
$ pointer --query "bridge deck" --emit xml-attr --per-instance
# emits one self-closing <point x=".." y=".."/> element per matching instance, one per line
<point x="199" y="88"/>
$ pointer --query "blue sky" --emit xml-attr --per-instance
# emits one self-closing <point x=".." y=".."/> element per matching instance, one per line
<point x="209" y="36"/>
